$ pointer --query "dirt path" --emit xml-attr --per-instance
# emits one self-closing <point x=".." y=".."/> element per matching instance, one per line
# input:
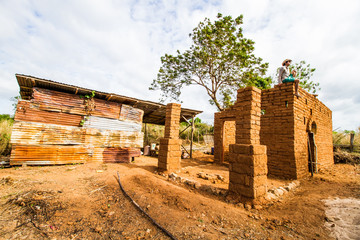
<point x="84" y="202"/>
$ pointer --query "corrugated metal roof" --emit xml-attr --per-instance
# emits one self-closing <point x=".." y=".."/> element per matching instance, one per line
<point x="153" y="112"/>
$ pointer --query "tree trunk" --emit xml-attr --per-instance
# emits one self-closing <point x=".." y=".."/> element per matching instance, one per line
<point x="217" y="104"/>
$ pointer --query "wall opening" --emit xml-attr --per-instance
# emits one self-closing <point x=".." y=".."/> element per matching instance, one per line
<point x="312" y="153"/>
<point x="229" y="131"/>
<point x="313" y="128"/>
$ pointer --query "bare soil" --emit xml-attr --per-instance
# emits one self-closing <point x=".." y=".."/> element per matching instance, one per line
<point x="85" y="202"/>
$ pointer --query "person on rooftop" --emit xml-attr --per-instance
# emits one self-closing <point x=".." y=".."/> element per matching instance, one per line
<point x="285" y="76"/>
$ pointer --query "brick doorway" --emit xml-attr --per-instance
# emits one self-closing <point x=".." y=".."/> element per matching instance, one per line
<point x="312" y="153"/>
<point x="229" y="131"/>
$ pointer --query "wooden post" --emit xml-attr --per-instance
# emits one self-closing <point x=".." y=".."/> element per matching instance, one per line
<point x="352" y="135"/>
<point x="146" y="142"/>
<point x="192" y="135"/>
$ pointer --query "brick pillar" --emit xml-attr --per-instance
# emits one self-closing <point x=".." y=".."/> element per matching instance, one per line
<point x="248" y="159"/>
<point x="169" y="152"/>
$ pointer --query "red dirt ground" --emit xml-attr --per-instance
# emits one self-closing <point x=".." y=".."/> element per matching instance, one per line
<point x="85" y="202"/>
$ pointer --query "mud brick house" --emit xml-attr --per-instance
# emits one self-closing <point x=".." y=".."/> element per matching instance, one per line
<point x="57" y="123"/>
<point x="295" y="131"/>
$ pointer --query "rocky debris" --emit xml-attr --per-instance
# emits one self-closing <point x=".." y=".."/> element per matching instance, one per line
<point x="278" y="192"/>
<point x="221" y="178"/>
<point x="211" y="177"/>
<point x="173" y="176"/>
<point x="273" y="194"/>
<point x="270" y="196"/>
<point x="194" y="184"/>
<point x="247" y="206"/>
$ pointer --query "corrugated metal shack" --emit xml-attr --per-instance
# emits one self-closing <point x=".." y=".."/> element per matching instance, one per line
<point x="57" y="123"/>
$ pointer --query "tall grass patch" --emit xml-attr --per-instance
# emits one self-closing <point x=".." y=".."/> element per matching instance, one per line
<point x="5" y="134"/>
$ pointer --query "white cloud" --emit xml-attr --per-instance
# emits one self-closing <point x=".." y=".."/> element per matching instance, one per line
<point x="115" y="46"/>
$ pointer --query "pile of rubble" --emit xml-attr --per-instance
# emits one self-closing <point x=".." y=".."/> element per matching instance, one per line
<point x="275" y="193"/>
<point x="202" y="187"/>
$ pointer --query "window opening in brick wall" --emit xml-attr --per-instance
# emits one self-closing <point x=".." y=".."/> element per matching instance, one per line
<point x="286" y="103"/>
<point x="305" y="101"/>
<point x="304" y="120"/>
<point x="310" y="111"/>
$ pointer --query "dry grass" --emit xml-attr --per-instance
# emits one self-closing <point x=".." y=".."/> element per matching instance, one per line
<point x="343" y="137"/>
<point x="5" y="134"/>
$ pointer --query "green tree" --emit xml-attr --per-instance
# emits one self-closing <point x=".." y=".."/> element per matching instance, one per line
<point x="220" y="60"/>
<point x="15" y="101"/>
<point x="200" y="130"/>
<point x="304" y="73"/>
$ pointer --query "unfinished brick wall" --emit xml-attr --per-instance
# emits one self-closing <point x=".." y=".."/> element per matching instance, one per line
<point x="310" y="113"/>
<point x="169" y="152"/>
<point x="277" y="130"/>
<point x="284" y="130"/>
<point x="248" y="160"/>
<point x="285" y="123"/>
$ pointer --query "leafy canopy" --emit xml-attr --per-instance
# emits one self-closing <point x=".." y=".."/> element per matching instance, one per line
<point x="304" y="73"/>
<point x="220" y="60"/>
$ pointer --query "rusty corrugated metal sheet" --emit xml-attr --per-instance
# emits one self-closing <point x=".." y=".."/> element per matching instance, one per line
<point x="153" y="112"/>
<point x="27" y="111"/>
<point x="47" y="130"/>
<point x="30" y="133"/>
<point x="55" y="155"/>
<point x="112" y="124"/>
<point x="131" y="114"/>
<point x="109" y="138"/>
<point x="48" y="155"/>
<point x="119" y="155"/>
<point x="50" y="100"/>
<point x="27" y="133"/>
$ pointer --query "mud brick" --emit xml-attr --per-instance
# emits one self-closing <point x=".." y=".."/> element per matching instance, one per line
<point x="260" y="191"/>
<point x="169" y="152"/>
<point x="258" y="181"/>
<point x="162" y="166"/>
<point x="242" y="168"/>
<point x="283" y="128"/>
<point x="248" y="149"/>
<point x="237" y="178"/>
<point x="174" y="153"/>
<point x="168" y="141"/>
<point x="241" y="190"/>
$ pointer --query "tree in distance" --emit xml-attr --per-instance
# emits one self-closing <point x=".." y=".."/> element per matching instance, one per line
<point x="220" y="60"/>
<point x="304" y="73"/>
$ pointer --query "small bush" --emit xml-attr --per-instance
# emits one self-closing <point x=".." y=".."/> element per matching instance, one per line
<point x="5" y="134"/>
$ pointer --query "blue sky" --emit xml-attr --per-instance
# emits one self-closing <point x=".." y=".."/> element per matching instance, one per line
<point x="115" y="46"/>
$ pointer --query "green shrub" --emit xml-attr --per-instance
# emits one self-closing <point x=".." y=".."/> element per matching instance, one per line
<point x="5" y="134"/>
